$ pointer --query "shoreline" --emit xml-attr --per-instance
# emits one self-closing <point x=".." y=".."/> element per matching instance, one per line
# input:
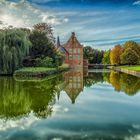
<point x="127" y="71"/>
<point x="38" y="72"/>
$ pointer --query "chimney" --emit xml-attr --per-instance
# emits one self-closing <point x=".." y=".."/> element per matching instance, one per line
<point x="73" y="34"/>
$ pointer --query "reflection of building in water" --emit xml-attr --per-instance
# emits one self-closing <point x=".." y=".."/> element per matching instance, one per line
<point x="59" y="88"/>
<point x="74" y="80"/>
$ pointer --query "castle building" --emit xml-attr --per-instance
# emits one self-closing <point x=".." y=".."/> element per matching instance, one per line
<point x="72" y="50"/>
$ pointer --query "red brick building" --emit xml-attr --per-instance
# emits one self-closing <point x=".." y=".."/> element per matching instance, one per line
<point x="73" y="51"/>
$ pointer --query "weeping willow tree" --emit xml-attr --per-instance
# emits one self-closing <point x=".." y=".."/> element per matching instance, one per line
<point x="14" y="46"/>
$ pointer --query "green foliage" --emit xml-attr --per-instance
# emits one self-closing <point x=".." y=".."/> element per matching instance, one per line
<point x="20" y="98"/>
<point x="13" y="99"/>
<point x="92" y="79"/>
<point x="43" y="46"/>
<point x="137" y="68"/>
<point x="124" y="82"/>
<point x="44" y="62"/>
<point x="64" y="66"/>
<point x="39" y="71"/>
<point x="129" y="56"/>
<point x="59" y="58"/>
<point x="93" y="55"/>
<point x="131" y="53"/>
<point x="14" y="46"/>
<point x="40" y="45"/>
<point x="120" y="81"/>
<point x="133" y="46"/>
<point x="106" y="57"/>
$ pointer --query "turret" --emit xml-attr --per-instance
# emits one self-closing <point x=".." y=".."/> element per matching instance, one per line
<point x="58" y="42"/>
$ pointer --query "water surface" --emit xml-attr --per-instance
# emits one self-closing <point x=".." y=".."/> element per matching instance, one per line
<point x="71" y="106"/>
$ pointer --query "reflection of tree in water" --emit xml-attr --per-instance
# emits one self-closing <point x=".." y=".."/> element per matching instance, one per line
<point x="19" y="98"/>
<point x="124" y="82"/>
<point x="14" y="101"/>
<point x="120" y="81"/>
<point x="129" y="84"/>
<point x="43" y="95"/>
<point x="92" y="79"/>
<point x="115" y="80"/>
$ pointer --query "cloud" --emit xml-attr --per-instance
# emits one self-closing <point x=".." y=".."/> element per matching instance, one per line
<point x="1" y="22"/>
<point x="135" y="137"/>
<point x="136" y="2"/>
<point x="89" y="22"/>
<point x="21" y="123"/>
<point x="66" y="20"/>
<point x="25" y="14"/>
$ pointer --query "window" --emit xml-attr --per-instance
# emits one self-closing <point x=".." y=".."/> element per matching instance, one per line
<point x="70" y="57"/>
<point x="75" y="57"/>
<point x="79" y="57"/>
<point x="79" y="51"/>
<point x="75" y="50"/>
<point x="70" y="50"/>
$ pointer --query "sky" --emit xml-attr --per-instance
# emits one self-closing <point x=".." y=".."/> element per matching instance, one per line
<point x="97" y="23"/>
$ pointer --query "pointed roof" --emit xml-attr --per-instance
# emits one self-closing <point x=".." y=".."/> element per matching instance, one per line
<point x="58" y="42"/>
<point x="73" y="42"/>
<point x="59" y="47"/>
<point x="73" y="93"/>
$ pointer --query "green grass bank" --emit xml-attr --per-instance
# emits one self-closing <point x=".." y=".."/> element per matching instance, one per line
<point x="39" y="71"/>
<point x="136" y="68"/>
<point x="132" y="70"/>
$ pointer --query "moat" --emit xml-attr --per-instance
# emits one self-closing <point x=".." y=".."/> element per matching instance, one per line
<point x="99" y="105"/>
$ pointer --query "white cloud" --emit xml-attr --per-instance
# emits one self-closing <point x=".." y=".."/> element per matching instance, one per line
<point x="136" y="126"/>
<point x="135" y="137"/>
<point x="21" y="123"/>
<point x="136" y="2"/>
<point x="66" y="20"/>
<point x="25" y="14"/>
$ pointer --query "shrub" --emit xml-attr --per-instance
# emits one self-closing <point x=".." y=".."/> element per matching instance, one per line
<point x="44" y="62"/>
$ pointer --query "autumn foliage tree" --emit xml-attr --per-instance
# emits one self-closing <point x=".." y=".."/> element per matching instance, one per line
<point x="115" y="54"/>
<point x="131" y="53"/>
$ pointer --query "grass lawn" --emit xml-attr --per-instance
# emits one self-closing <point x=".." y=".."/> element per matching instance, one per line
<point x="40" y="70"/>
<point x="137" y="68"/>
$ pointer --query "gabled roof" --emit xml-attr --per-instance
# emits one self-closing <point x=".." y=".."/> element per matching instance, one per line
<point x="72" y="42"/>
<point x="73" y="93"/>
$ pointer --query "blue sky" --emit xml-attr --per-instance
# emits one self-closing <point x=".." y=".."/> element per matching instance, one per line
<point x="98" y="23"/>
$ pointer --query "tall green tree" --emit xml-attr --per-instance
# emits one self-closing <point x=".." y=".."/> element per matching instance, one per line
<point x="40" y="45"/>
<point x="43" y="44"/>
<point x="133" y="46"/>
<point x="106" y="57"/>
<point x="129" y="56"/>
<point x="47" y="29"/>
<point x="14" y="46"/>
<point x="131" y="53"/>
<point x="93" y="55"/>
